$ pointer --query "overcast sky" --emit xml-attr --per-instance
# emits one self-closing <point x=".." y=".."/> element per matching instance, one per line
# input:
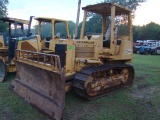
<point x="67" y="9"/>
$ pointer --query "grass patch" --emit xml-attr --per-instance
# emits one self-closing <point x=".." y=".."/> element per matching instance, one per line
<point x="140" y="101"/>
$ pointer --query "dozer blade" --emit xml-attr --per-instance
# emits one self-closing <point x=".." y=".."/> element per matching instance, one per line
<point x="41" y="88"/>
<point x="2" y="70"/>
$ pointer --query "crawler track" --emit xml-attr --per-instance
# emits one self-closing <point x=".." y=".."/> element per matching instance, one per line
<point x="83" y="88"/>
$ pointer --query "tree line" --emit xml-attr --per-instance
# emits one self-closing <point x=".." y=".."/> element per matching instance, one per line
<point x="3" y="13"/>
<point x="150" y="31"/>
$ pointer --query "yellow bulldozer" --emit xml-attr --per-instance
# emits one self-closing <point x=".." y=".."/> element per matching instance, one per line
<point x="8" y="43"/>
<point x="91" y="66"/>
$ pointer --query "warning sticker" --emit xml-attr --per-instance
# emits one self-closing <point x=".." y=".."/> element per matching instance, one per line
<point x="71" y="47"/>
<point x="128" y="51"/>
<point x="19" y="38"/>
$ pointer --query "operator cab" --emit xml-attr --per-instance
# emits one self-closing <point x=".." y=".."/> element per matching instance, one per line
<point x="50" y="30"/>
<point x="16" y="28"/>
<point x="115" y="22"/>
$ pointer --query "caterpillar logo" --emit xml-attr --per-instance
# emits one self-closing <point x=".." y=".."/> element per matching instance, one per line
<point x="85" y="42"/>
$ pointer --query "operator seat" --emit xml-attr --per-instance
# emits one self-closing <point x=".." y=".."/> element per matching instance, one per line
<point x="89" y="35"/>
<point x="106" y="41"/>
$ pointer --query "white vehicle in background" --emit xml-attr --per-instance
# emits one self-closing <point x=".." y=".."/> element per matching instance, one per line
<point x="149" y="47"/>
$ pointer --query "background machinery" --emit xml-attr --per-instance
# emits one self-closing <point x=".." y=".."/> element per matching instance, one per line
<point x="8" y="43"/>
<point x="92" y="65"/>
<point x="146" y="47"/>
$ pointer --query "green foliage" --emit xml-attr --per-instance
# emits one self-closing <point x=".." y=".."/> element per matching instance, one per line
<point x="3" y="27"/>
<point x="136" y="32"/>
<point x="3" y="8"/>
<point x="150" y="31"/>
<point x="131" y="4"/>
<point x="46" y="29"/>
<point x="92" y="25"/>
<point x="123" y="30"/>
<point x="3" y="13"/>
<point x="71" y="26"/>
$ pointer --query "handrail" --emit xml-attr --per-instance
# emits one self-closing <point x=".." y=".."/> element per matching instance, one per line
<point x="50" y="60"/>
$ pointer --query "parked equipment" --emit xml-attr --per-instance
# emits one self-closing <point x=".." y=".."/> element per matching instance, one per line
<point x="145" y="50"/>
<point x="155" y="50"/>
<point x="92" y="66"/>
<point x="8" y="44"/>
<point x="146" y="47"/>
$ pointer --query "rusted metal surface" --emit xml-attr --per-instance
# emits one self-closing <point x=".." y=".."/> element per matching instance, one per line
<point x="94" y="82"/>
<point x="2" y="70"/>
<point x="41" y="88"/>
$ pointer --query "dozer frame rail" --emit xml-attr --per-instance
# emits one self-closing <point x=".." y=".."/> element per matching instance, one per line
<point x="49" y="62"/>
